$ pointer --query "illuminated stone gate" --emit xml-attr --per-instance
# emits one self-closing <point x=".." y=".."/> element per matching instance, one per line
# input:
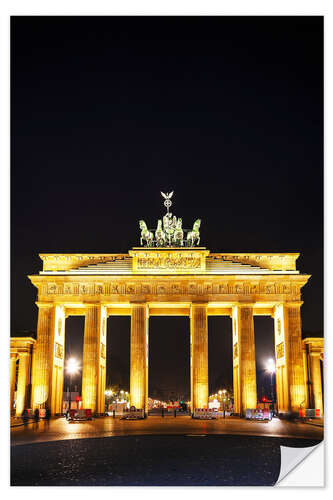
<point x="171" y="276"/>
<point x="161" y="282"/>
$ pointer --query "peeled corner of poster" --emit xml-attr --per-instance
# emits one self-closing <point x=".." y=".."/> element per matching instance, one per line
<point x="302" y="466"/>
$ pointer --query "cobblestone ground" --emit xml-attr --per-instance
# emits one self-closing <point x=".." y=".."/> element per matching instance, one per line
<point x="151" y="460"/>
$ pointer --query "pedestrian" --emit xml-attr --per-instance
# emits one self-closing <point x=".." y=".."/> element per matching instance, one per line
<point x="47" y="417"/>
<point x="25" y="417"/>
<point x="36" y="415"/>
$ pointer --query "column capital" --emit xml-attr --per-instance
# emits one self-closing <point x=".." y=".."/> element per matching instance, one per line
<point x="23" y="354"/>
<point x="294" y="303"/>
<point x="244" y="304"/>
<point x="199" y="303"/>
<point x="315" y="354"/>
<point x="44" y="304"/>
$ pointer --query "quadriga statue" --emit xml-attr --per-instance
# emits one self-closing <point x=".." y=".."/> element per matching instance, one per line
<point x="159" y="234"/>
<point x="178" y="235"/>
<point x="194" y="235"/>
<point x="146" y="234"/>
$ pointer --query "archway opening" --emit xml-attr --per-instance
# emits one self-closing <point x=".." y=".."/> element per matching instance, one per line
<point x="265" y="358"/>
<point x="169" y="359"/>
<point x="74" y="334"/>
<point x="117" y="383"/>
<point x="220" y="358"/>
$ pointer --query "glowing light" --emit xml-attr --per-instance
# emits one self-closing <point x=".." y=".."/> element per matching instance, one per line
<point x="270" y="365"/>
<point x="72" y="366"/>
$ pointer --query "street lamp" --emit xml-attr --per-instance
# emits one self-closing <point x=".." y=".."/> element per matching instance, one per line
<point x="72" y="368"/>
<point x="271" y="369"/>
<point x="220" y="398"/>
<point x="108" y="393"/>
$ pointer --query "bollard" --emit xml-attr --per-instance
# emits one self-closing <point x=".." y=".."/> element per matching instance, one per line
<point x="114" y="413"/>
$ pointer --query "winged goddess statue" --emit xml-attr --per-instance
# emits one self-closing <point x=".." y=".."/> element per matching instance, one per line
<point x="168" y="201"/>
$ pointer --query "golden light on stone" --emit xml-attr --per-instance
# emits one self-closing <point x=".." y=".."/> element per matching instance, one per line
<point x="169" y="280"/>
<point x="236" y="285"/>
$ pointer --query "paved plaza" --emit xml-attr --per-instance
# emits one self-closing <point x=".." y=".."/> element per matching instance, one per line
<point x="151" y="460"/>
<point x="60" y="429"/>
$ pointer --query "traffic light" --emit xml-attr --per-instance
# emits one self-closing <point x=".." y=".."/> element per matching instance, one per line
<point x="264" y="399"/>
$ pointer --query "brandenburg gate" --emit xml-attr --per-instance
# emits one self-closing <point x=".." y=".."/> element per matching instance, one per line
<point x="169" y="276"/>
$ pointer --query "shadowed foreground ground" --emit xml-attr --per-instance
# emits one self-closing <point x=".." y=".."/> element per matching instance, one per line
<point x="150" y="460"/>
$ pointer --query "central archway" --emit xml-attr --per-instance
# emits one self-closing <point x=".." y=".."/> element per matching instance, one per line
<point x="169" y="358"/>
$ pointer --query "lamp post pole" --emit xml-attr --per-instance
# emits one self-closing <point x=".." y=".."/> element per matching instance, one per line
<point x="70" y="391"/>
<point x="271" y="370"/>
<point x="272" y="395"/>
<point x="71" y="368"/>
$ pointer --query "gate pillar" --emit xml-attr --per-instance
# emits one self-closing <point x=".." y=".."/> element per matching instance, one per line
<point x="94" y="359"/>
<point x="316" y="381"/>
<point x="48" y="358"/>
<point x="22" y="382"/>
<point x="244" y="359"/>
<point x="290" y="381"/>
<point x="13" y="358"/>
<point x="199" y="356"/>
<point x="139" y="356"/>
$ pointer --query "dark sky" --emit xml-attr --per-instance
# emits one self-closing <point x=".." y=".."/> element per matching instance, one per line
<point x="226" y="111"/>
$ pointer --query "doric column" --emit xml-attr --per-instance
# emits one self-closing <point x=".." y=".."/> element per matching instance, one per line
<point x="94" y="353"/>
<point x="316" y="381"/>
<point x="42" y="356"/>
<point x="294" y="354"/>
<point x="281" y="373"/>
<point x="244" y="359"/>
<point x="48" y="358"/>
<point x="57" y="360"/>
<point x="22" y="382"/>
<point x="139" y="356"/>
<point x="199" y="356"/>
<point x="102" y="360"/>
<point x="13" y="358"/>
<point x="291" y="389"/>
<point x="306" y="378"/>
<point x="235" y="357"/>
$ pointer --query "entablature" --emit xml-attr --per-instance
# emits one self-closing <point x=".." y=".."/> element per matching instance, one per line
<point x="187" y="260"/>
<point x="170" y="289"/>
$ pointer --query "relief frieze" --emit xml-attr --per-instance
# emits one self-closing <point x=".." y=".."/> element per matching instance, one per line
<point x="280" y="350"/>
<point x="59" y="351"/>
<point x="145" y="288"/>
<point x="52" y="288"/>
<point x="168" y="262"/>
<point x="68" y="289"/>
<point x="130" y="289"/>
<point x="167" y="287"/>
<point x="176" y="288"/>
<point x="98" y="289"/>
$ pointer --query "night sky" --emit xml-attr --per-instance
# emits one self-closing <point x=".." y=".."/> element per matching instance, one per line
<point x="108" y="111"/>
